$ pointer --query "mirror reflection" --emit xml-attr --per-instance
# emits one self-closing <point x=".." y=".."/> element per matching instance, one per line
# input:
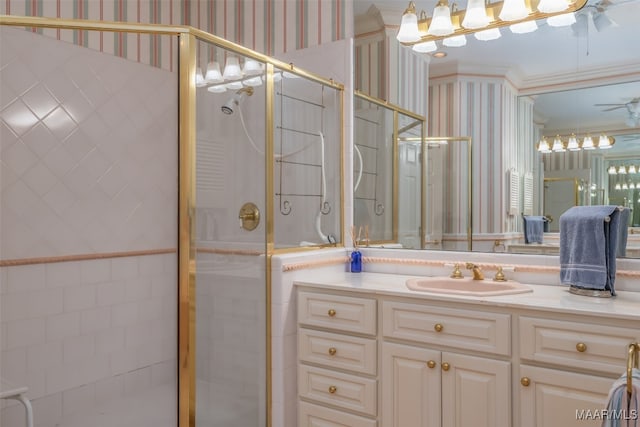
<point x="507" y="94"/>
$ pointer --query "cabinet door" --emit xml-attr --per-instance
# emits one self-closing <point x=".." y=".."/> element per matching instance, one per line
<point x="410" y="386"/>
<point x="475" y="391"/>
<point x="555" y="398"/>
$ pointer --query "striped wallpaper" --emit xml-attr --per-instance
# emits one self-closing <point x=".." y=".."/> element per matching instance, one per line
<point x="267" y="26"/>
<point x="485" y="109"/>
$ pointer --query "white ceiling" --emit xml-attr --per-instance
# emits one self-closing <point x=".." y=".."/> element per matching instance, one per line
<point x="552" y="52"/>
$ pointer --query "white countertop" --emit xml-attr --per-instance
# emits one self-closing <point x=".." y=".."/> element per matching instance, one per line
<point x="625" y="305"/>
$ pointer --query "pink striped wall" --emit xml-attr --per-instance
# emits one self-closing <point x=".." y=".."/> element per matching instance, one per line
<point x="267" y="26"/>
<point x="371" y="68"/>
<point x="487" y="110"/>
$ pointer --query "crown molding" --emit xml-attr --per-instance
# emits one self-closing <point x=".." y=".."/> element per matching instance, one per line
<point x="597" y="76"/>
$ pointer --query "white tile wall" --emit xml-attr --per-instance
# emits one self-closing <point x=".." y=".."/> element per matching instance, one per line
<point x="88" y="164"/>
<point x="90" y="159"/>
<point x="84" y="348"/>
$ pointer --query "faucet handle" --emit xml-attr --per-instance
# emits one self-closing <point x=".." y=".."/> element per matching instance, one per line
<point x="456" y="274"/>
<point x="499" y="277"/>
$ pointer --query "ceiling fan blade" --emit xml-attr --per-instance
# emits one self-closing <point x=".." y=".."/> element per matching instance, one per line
<point x="607" y="105"/>
<point x="614" y="108"/>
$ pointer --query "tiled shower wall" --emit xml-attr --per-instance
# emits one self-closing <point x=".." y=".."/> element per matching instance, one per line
<point x="88" y="163"/>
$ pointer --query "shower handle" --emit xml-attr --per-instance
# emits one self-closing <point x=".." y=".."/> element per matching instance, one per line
<point x="249" y="216"/>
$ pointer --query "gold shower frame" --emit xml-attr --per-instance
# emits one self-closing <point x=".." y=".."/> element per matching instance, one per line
<point x="426" y="140"/>
<point x="396" y="132"/>
<point x="187" y="39"/>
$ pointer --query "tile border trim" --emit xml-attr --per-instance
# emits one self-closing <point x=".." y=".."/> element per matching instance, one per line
<point x="83" y="257"/>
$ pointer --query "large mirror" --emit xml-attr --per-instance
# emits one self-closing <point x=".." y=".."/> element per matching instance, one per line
<point x="507" y="94"/>
<point x="379" y="190"/>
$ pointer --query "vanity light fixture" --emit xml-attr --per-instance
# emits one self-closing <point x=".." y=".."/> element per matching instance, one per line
<point x="572" y="143"/>
<point x="451" y="21"/>
<point x="234" y="76"/>
<point x="612" y="170"/>
<point x="632" y="169"/>
<point x="618" y="187"/>
<point x="622" y="170"/>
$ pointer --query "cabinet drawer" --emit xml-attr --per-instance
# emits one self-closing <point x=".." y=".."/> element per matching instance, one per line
<point x="337" y="351"/>
<point x="578" y="345"/>
<point x="469" y="330"/>
<point x="337" y="312"/>
<point x="318" y="416"/>
<point x="338" y="389"/>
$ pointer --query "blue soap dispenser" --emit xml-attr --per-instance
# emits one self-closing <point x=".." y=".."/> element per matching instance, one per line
<point x="356" y="255"/>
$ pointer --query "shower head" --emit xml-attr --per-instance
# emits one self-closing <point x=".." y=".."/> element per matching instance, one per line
<point x="234" y="101"/>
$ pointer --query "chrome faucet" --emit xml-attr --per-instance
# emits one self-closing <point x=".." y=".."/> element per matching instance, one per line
<point x="477" y="273"/>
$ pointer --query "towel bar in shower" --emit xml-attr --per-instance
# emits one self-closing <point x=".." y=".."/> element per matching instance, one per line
<point x="632" y="361"/>
<point x="8" y="391"/>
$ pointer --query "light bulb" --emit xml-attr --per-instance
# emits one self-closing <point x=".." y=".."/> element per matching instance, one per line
<point x="425" y="47"/>
<point x="475" y="15"/>
<point x="587" y="143"/>
<point x="558" y="146"/>
<point x="441" y="22"/>
<point x="232" y="69"/>
<point x="213" y="74"/>
<point x="199" y="78"/>
<point x="490" y="34"/>
<point x="455" y="41"/>
<point x="513" y="10"/>
<point x="561" y="20"/>
<point x="573" y="145"/>
<point x="543" y="146"/>
<point x="552" y="6"/>
<point x="409" y="32"/>
<point x="523" y="27"/>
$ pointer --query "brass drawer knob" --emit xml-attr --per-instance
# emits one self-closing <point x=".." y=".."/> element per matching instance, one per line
<point x="445" y="366"/>
<point x="331" y="312"/>
<point x="333" y="389"/>
<point x="581" y="347"/>
<point x="332" y="351"/>
<point x="438" y="327"/>
<point x="431" y="364"/>
<point x="525" y="381"/>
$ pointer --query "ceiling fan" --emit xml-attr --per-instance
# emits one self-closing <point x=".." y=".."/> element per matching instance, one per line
<point x="633" y="108"/>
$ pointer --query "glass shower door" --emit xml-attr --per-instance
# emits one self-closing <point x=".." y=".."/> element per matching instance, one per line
<point x="230" y="244"/>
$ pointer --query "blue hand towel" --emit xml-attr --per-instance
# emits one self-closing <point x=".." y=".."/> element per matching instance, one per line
<point x="533" y="228"/>
<point x="623" y="231"/>
<point x="588" y="246"/>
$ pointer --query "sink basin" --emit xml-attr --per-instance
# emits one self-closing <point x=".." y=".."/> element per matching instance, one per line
<point x="466" y="286"/>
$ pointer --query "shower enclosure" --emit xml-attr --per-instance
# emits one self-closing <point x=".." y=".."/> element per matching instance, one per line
<point x="142" y="322"/>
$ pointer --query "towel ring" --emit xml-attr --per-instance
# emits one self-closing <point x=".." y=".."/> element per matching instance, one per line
<point x="632" y="361"/>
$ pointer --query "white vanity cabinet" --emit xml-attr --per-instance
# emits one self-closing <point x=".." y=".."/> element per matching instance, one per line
<point x="577" y="364"/>
<point x="426" y="386"/>
<point x="381" y="359"/>
<point x="338" y="363"/>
